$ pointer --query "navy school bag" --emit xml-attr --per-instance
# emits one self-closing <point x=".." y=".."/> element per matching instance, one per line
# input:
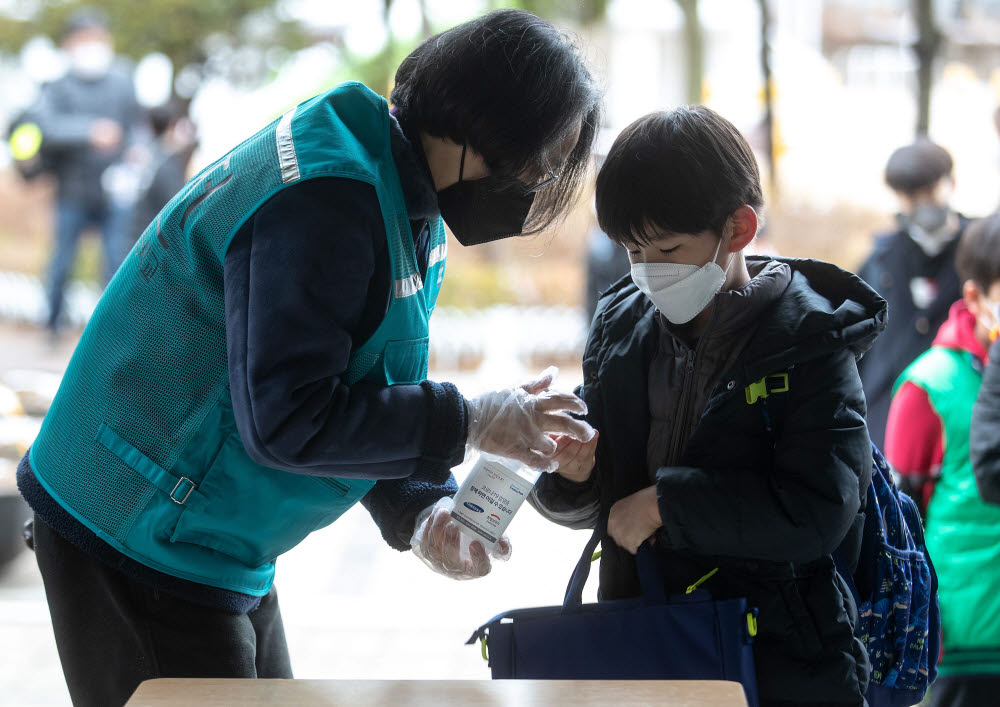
<point x="652" y="637"/>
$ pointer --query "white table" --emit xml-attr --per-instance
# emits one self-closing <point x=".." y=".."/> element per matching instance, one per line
<point x="436" y="693"/>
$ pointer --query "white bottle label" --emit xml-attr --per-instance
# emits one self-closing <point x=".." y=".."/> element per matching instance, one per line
<point x="488" y="499"/>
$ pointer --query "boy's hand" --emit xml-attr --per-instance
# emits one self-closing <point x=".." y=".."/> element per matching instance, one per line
<point x="634" y="519"/>
<point x="576" y="459"/>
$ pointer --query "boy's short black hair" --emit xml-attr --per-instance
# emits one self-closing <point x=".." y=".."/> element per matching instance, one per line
<point x="682" y="171"/>
<point x="512" y="87"/>
<point x="917" y="166"/>
<point x="978" y="255"/>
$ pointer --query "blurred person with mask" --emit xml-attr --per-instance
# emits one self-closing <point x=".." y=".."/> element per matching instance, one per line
<point x="259" y="363"/>
<point x="931" y="422"/>
<point x="86" y="119"/>
<point x="913" y="269"/>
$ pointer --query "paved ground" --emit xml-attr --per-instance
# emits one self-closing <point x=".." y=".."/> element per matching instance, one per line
<point x="353" y="607"/>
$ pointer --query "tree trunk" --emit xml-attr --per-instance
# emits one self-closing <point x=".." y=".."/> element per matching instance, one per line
<point x="387" y="59"/>
<point x="766" y="74"/>
<point x="694" y="44"/>
<point x="425" y="20"/>
<point x="928" y="44"/>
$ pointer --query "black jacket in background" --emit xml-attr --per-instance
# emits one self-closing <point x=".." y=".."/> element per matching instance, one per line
<point x="66" y="110"/>
<point x="910" y="330"/>
<point x="767" y="517"/>
<point x="984" y="438"/>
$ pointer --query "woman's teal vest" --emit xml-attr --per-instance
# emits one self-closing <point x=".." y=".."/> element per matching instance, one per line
<point x="140" y="444"/>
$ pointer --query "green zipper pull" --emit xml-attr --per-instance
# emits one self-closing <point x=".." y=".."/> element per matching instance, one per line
<point x="701" y="581"/>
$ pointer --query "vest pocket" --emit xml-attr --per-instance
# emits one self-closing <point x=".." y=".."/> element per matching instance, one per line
<point x="405" y="362"/>
<point x="336" y="485"/>
<point x="180" y="489"/>
<point x="254" y="513"/>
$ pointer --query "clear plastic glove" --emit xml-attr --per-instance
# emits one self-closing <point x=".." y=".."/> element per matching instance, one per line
<point x="444" y="548"/>
<point x="516" y="423"/>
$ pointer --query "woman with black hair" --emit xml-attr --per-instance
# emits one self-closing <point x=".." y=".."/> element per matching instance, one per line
<point x="258" y="365"/>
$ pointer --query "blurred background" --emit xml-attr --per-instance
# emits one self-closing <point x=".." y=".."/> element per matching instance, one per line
<point x="824" y="89"/>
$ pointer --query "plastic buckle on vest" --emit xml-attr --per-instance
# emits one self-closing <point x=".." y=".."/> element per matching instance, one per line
<point x="190" y="489"/>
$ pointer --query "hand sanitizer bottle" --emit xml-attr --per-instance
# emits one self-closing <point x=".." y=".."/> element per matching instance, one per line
<point x="490" y="496"/>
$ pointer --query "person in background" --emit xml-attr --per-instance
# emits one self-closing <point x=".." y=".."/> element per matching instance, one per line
<point x="86" y="118"/>
<point x="165" y="163"/>
<point x="927" y="442"/>
<point x="984" y="438"/>
<point x="913" y="269"/>
<point x="607" y="263"/>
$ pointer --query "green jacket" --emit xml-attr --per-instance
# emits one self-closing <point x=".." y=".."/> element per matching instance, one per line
<point x="962" y="531"/>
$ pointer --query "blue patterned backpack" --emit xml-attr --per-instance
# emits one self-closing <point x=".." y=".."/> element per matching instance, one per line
<point x="895" y="588"/>
<point x="894" y="583"/>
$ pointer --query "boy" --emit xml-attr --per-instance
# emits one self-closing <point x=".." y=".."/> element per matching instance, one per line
<point x="913" y="268"/>
<point x="927" y="441"/>
<point x="730" y="411"/>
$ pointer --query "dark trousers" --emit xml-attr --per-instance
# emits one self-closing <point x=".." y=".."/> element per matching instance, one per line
<point x="965" y="691"/>
<point x="112" y="632"/>
<point x="113" y="220"/>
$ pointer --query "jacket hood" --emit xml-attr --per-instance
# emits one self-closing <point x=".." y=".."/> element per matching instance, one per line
<point x="958" y="333"/>
<point x="823" y="309"/>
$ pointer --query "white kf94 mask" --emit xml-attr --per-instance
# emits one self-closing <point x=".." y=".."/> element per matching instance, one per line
<point x="680" y="291"/>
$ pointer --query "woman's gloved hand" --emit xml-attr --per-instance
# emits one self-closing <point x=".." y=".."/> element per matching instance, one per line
<point x="438" y="541"/>
<point x="516" y="423"/>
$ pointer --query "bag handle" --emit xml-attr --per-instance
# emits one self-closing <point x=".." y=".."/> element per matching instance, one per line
<point x="647" y="562"/>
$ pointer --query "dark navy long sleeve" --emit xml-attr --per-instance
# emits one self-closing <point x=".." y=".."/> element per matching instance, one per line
<point x="306" y="282"/>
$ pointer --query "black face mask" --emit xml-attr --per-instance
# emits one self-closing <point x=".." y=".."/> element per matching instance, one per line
<point x="485" y="210"/>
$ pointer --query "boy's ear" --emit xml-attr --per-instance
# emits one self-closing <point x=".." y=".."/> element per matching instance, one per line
<point x="744" y="223"/>
<point x="970" y="293"/>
